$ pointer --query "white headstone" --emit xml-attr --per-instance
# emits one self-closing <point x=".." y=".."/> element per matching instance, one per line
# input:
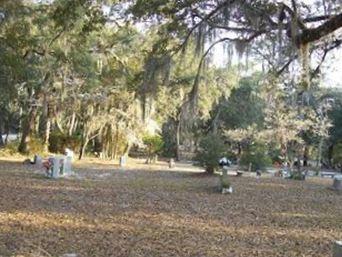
<point x="171" y="163"/>
<point x="228" y="190"/>
<point x="123" y="161"/>
<point x="69" y="153"/>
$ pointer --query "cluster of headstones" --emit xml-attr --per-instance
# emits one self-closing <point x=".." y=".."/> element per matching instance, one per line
<point x="55" y="166"/>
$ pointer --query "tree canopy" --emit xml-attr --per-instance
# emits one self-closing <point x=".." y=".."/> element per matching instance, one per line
<point x="102" y="75"/>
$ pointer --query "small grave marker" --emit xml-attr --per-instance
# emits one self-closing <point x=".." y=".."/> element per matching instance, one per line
<point x="171" y="163"/>
<point x="337" y="249"/>
<point x="337" y="184"/>
<point x="123" y="161"/>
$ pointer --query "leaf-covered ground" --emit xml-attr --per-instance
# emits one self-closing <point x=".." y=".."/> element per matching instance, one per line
<point x="105" y="211"/>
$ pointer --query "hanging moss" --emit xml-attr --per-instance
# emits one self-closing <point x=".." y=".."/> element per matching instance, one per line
<point x="240" y="47"/>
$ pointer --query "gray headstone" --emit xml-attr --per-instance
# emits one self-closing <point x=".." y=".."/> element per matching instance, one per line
<point x="337" y="249"/>
<point x="38" y="161"/>
<point x="55" y="167"/>
<point x="67" y="166"/>
<point x="337" y="184"/>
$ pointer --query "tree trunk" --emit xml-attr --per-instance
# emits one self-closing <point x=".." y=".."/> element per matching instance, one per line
<point x="178" y="141"/>
<point x="83" y="148"/>
<point x="72" y="123"/>
<point x="116" y="144"/>
<point x="127" y="148"/>
<point x="330" y="154"/>
<point x="84" y="143"/>
<point x="306" y="156"/>
<point x="1" y="139"/>
<point x="7" y="131"/>
<point x="46" y="124"/>
<point x="36" y="125"/>
<point x="47" y="134"/>
<point x="239" y="150"/>
<point x="58" y="125"/>
<point x="27" y="129"/>
<point x="299" y="166"/>
<point x="319" y="154"/>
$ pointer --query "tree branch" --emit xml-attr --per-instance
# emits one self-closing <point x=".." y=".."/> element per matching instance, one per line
<point x="318" y="18"/>
<point x="311" y="35"/>
<point x="204" y="19"/>
<point x="281" y="70"/>
<point x="336" y="44"/>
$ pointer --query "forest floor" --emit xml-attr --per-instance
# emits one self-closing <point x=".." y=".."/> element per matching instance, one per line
<point x="153" y="211"/>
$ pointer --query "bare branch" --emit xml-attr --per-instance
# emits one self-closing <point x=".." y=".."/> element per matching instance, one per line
<point x="336" y="44"/>
<point x="281" y="70"/>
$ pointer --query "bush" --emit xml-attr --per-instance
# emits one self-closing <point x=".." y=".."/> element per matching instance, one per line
<point x="58" y="142"/>
<point x="10" y="149"/>
<point x="256" y="154"/>
<point x="211" y="149"/>
<point x="36" y="146"/>
<point x="154" y="144"/>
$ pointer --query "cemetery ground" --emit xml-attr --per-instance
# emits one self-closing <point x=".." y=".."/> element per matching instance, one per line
<point x="149" y="211"/>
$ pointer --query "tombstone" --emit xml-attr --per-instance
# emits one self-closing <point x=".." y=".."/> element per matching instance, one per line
<point x="123" y="161"/>
<point x="69" y="255"/>
<point x="225" y="185"/>
<point x="250" y="167"/>
<point x="67" y="166"/>
<point x="224" y="181"/>
<point x="239" y="173"/>
<point x="337" y="184"/>
<point x="55" y="161"/>
<point x="27" y="162"/>
<point x="171" y="163"/>
<point x="60" y="166"/>
<point x="69" y="153"/>
<point x="228" y="190"/>
<point x="337" y="249"/>
<point x="155" y="158"/>
<point x="258" y="174"/>
<point x="38" y="161"/>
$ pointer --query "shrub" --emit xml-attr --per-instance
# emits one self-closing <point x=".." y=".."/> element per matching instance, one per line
<point x="154" y="145"/>
<point x="211" y="149"/>
<point x="10" y="149"/>
<point x="58" y="142"/>
<point x="256" y="154"/>
<point x="36" y="146"/>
